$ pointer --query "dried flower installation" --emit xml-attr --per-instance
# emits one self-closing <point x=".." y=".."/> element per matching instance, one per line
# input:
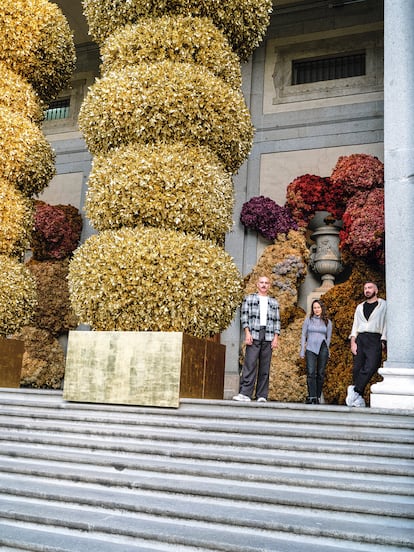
<point x="167" y="124"/>
<point x="37" y="57"/>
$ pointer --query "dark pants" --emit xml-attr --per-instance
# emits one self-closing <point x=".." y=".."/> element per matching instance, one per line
<point x="367" y="360"/>
<point x="315" y="369"/>
<point x="256" y="363"/>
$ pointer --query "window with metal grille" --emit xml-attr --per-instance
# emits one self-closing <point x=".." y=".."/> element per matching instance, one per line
<point x="59" y="109"/>
<point x="328" y="68"/>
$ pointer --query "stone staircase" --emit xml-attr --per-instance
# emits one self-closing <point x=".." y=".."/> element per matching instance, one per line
<point x="209" y="476"/>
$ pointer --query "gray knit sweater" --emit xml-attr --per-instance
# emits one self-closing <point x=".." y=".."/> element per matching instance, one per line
<point x="314" y="333"/>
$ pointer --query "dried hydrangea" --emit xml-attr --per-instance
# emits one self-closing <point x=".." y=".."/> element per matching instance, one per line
<point x="358" y="172"/>
<point x="364" y="225"/>
<point x="244" y="22"/>
<point x="53" y="313"/>
<point x="36" y="42"/>
<point x="139" y="279"/>
<point x="285" y="262"/>
<point x="287" y="381"/>
<point x="178" y="39"/>
<point x="26" y="157"/>
<point x="43" y="359"/>
<point x="310" y="193"/>
<point x="167" y="102"/>
<point x="18" y="296"/>
<point x="15" y="220"/>
<point x="266" y="217"/>
<point x="167" y="185"/>
<point x="57" y="231"/>
<point x="18" y="94"/>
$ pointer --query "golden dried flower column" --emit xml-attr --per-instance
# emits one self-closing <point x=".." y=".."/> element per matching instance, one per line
<point x="168" y="125"/>
<point x="36" y="60"/>
<point x="168" y="118"/>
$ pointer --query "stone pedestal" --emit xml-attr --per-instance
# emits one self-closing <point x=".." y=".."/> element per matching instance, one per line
<point x="142" y="368"/>
<point x="11" y="359"/>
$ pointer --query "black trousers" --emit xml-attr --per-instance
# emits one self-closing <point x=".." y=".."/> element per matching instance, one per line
<point x="315" y="369"/>
<point x="367" y="360"/>
<point x="256" y="364"/>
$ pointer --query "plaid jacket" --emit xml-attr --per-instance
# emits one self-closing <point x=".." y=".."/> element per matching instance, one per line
<point x="250" y="316"/>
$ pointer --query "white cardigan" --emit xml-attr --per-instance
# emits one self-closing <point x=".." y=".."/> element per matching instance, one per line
<point x="375" y="323"/>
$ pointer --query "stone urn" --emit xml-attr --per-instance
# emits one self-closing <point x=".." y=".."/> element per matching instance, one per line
<point x="325" y="258"/>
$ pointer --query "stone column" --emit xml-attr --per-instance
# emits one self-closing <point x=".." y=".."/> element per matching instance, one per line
<point x="397" y="389"/>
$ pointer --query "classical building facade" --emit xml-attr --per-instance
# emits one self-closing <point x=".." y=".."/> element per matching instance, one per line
<point x="315" y="90"/>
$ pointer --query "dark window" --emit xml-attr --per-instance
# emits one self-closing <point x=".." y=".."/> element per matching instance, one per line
<point x="59" y="109"/>
<point x="328" y="68"/>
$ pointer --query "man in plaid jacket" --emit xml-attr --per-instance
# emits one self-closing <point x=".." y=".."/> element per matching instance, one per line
<point x="260" y="319"/>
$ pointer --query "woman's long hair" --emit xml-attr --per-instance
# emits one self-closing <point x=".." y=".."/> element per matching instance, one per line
<point x="324" y="314"/>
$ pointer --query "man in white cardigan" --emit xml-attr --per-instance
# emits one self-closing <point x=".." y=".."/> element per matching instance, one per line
<point x="368" y="338"/>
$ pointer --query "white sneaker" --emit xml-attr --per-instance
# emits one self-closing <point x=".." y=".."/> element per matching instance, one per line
<point x="359" y="401"/>
<point x="241" y="398"/>
<point x="261" y="399"/>
<point x="350" y="396"/>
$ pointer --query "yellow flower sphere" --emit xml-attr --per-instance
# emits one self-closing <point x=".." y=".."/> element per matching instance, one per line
<point x="244" y="22"/>
<point x="18" y="297"/>
<point x="139" y="279"/>
<point x="16" y="220"/>
<point x="26" y="157"/>
<point x="19" y="95"/>
<point x="172" y="186"/>
<point x="180" y="39"/>
<point x="167" y="102"/>
<point x="36" y="42"/>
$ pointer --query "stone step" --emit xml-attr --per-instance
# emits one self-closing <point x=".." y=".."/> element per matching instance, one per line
<point x="195" y="522"/>
<point x="211" y="475"/>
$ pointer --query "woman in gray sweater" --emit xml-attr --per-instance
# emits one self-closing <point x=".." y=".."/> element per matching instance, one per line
<point x="316" y="338"/>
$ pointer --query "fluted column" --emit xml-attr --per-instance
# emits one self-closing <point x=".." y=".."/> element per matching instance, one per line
<point x="397" y="389"/>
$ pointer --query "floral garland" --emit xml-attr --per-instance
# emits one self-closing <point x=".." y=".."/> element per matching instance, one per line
<point x="36" y="42"/>
<point x="26" y="157"/>
<point x="18" y="297"/>
<point x="358" y="172"/>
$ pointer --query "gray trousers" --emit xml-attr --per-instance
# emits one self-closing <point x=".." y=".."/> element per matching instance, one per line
<point x="256" y="366"/>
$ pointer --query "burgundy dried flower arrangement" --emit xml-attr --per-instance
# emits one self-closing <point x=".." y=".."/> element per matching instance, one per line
<point x="57" y="231"/>
<point x="358" y="172"/>
<point x="310" y="193"/>
<point x="266" y="217"/>
<point x="364" y="228"/>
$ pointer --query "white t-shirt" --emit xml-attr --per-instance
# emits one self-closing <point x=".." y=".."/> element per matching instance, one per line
<point x="263" y="309"/>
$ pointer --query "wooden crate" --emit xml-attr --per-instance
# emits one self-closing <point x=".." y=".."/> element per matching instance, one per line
<point x="11" y="359"/>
